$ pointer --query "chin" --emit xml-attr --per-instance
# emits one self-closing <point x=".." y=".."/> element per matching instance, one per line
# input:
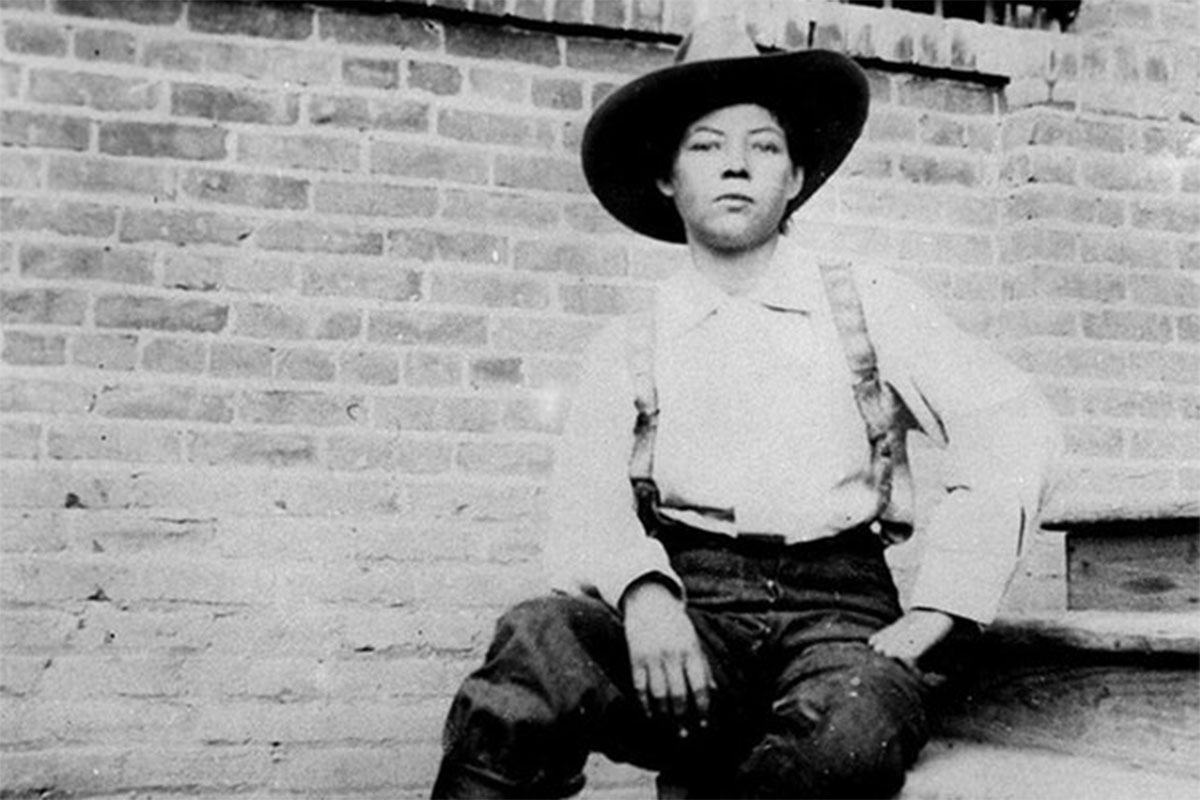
<point x="735" y="239"/>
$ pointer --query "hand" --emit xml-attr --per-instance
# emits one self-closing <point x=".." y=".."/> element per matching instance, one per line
<point x="911" y="636"/>
<point x="670" y="673"/>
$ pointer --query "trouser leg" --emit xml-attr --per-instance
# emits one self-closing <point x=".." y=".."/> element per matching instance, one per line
<point x="847" y="722"/>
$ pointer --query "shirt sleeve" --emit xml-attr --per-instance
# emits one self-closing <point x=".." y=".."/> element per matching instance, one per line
<point x="596" y="543"/>
<point x="1001" y="440"/>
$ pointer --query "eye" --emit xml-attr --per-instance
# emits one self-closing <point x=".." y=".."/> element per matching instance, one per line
<point x="768" y="146"/>
<point x="702" y="145"/>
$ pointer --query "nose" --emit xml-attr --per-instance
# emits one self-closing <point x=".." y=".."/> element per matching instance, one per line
<point x="736" y="162"/>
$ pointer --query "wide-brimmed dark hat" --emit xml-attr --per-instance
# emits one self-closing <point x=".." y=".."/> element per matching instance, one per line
<point x="820" y="98"/>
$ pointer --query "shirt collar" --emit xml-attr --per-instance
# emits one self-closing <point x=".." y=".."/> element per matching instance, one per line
<point x="791" y="283"/>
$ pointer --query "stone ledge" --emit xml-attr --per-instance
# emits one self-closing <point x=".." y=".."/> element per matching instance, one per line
<point x="1103" y="631"/>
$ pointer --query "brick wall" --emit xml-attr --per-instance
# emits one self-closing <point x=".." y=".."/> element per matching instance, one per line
<point x="293" y="295"/>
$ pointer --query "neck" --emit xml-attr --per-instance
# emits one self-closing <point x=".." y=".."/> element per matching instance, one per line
<point x="737" y="273"/>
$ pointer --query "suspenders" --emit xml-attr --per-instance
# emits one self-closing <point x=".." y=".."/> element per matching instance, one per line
<point x="884" y="414"/>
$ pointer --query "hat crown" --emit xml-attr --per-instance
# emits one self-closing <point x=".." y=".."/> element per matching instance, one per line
<point x="715" y="39"/>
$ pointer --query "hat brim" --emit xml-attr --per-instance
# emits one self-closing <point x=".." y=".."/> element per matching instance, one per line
<point x="820" y="97"/>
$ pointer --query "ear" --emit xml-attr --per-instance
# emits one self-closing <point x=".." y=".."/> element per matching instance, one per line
<point x="797" y="182"/>
<point x="665" y="186"/>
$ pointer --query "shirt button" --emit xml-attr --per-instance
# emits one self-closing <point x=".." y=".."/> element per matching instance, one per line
<point x="772" y="590"/>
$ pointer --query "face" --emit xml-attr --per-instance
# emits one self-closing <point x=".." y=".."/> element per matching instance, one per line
<point x="732" y="178"/>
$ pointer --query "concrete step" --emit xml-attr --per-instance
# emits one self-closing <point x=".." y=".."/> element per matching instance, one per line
<point x="951" y="770"/>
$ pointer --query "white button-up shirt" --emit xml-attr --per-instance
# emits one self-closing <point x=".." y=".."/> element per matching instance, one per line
<point x="759" y="432"/>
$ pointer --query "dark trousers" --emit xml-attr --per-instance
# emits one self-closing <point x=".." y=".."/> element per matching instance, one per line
<point x="803" y="706"/>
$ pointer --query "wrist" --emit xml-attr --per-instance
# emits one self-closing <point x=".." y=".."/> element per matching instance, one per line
<point x="651" y="587"/>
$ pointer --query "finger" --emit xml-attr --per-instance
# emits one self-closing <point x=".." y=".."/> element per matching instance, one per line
<point x="658" y="703"/>
<point x="699" y="681"/>
<point x="677" y="688"/>
<point x="641" y="685"/>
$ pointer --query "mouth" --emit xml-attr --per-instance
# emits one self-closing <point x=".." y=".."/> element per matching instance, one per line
<point x="735" y="198"/>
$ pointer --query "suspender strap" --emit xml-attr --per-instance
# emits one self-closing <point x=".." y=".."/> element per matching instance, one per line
<point x="881" y="409"/>
<point x="639" y="354"/>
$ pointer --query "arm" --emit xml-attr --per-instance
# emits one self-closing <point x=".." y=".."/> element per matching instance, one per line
<point x="1000" y="438"/>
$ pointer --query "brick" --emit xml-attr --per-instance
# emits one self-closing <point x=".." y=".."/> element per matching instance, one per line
<point x="535" y="335"/>
<point x="107" y="175"/>
<point x="1126" y="175"/>
<point x="590" y="217"/>
<point x="174" y="356"/>
<point x="20" y="440"/>
<point x="499" y="84"/>
<point x="236" y="360"/>
<point x="315" y="237"/>
<point x="459" y="246"/>
<point x="375" y="200"/>
<point x="938" y="171"/>
<point x="593" y="299"/>
<point x="428" y="369"/>
<point x="29" y="129"/>
<point x="1044" y="280"/>
<point x="609" y="56"/>
<point x="241" y="189"/>
<point x="429" y="161"/>
<point x="1187" y="328"/>
<point x="440" y="79"/>
<point x="571" y="258"/>
<point x="1170" y="289"/>
<point x="1166" y="366"/>
<point x="491" y="128"/>
<point x="1134" y="326"/>
<point x="1127" y="249"/>
<point x="540" y="172"/>
<point x="229" y="17"/>
<point x="35" y="40"/>
<point x="46" y="397"/>
<point x="234" y="105"/>
<point x="66" y="218"/>
<point x="106" y="352"/>
<point x="1178" y="444"/>
<point x="117" y="47"/>
<point x="1093" y="441"/>
<point x="305" y="364"/>
<point x="72" y="442"/>
<point x="146" y="12"/>
<point x="1043" y="168"/>
<point x="404" y="116"/>
<point x="489" y="291"/>
<point x="42" y="307"/>
<point x="184" y="227"/>
<point x="101" y="92"/>
<point x="1091" y="134"/>
<point x="391" y="30"/>
<point x="510" y="44"/>
<point x="20" y="170"/>
<point x="340" y="112"/>
<point x="253" y="448"/>
<point x="1036" y="203"/>
<point x="34" y="349"/>
<point x="338" y="325"/>
<point x="417" y="413"/>
<point x="505" y="458"/>
<point x="301" y="408"/>
<point x="163" y="402"/>
<point x="1121" y="402"/>
<point x="268" y="321"/>
<point x="371" y="367"/>
<point x="490" y="372"/>
<point x="373" y="73"/>
<point x="158" y="313"/>
<point x="298" y="152"/>
<point x="10" y="80"/>
<point x="426" y="328"/>
<point x="568" y="11"/>
<point x="1174" y="216"/>
<point x="1071" y="362"/>
<point x="286" y="65"/>
<point x="1037" y="244"/>
<point x="382" y="282"/>
<point x="162" y="140"/>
